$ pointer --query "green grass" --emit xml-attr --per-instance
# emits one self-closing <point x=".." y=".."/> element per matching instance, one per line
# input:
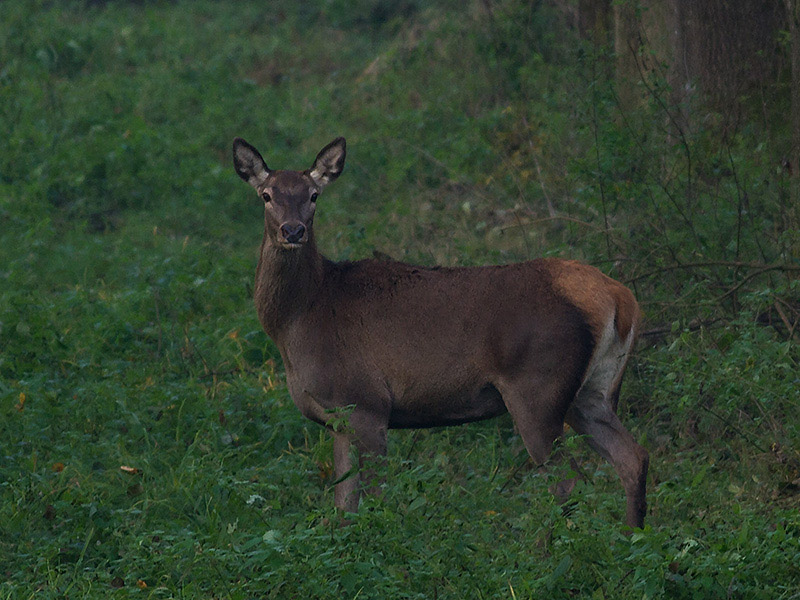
<point x="148" y="445"/>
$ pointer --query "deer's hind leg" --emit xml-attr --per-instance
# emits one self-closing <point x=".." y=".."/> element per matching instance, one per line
<point x="593" y="414"/>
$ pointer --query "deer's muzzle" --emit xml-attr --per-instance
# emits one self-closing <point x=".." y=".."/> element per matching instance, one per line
<point x="293" y="233"/>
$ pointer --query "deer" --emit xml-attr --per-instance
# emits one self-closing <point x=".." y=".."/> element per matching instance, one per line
<point x="383" y="344"/>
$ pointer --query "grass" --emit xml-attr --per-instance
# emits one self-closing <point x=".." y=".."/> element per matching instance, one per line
<point x="148" y="445"/>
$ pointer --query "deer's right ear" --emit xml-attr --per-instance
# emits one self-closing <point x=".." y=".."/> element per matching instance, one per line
<point x="248" y="163"/>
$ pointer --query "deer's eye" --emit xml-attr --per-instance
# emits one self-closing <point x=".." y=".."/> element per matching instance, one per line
<point x="314" y="197"/>
<point x="266" y="196"/>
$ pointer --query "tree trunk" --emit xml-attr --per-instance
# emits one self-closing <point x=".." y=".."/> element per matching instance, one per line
<point x="793" y="16"/>
<point x="663" y="28"/>
<point x="627" y="44"/>
<point x="593" y="21"/>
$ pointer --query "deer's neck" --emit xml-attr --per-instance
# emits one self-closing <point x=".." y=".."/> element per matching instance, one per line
<point x="287" y="281"/>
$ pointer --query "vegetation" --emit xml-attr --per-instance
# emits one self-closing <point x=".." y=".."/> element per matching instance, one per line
<point x="148" y="445"/>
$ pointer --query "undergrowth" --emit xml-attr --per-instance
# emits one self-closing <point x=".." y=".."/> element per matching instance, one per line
<point x="148" y="444"/>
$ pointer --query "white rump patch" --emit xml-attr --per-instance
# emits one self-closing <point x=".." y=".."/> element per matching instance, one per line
<point x="607" y="364"/>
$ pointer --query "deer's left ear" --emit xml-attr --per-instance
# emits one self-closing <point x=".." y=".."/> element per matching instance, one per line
<point x="329" y="163"/>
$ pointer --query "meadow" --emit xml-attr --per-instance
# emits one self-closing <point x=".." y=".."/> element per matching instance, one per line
<point x="148" y="445"/>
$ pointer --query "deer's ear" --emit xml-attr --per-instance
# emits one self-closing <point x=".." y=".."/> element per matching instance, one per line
<point x="248" y="163"/>
<point x="329" y="163"/>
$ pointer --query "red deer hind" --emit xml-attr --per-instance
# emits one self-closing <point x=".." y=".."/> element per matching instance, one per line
<point x="403" y="346"/>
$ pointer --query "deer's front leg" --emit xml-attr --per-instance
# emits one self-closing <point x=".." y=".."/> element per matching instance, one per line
<point x="371" y="431"/>
<point x="346" y="491"/>
<point x="367" y="431"/>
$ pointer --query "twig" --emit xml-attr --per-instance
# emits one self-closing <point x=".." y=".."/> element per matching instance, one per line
<point x="158" y="321"/>
<point x="413" y="443"/>
<point x="217" y="374"/>
<point x="681" y="134"/>
<point x="727" y="423"/>
<point x="600" y="178"/>
<point x="524" y="234"/>
<point x="513" y="474"/>
<point x="760" y="271"/>
<point x="714" y="263"/>
<point x="196" y="349"/>
<point x="550" y="208"/>
<point x="785" y="319"/>
<point x="668" y="328"/>
<point x="559" y="218"/>
<point x="739" y="202"/>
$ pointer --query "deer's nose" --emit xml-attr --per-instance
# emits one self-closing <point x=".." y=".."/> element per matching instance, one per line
<point x="293" y="232"/>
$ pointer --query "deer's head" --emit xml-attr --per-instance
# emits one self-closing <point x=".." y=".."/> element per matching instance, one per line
<point x="290" y="197"/>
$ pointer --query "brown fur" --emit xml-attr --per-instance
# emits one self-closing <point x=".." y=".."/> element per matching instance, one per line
<point x="400" y="345"/>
